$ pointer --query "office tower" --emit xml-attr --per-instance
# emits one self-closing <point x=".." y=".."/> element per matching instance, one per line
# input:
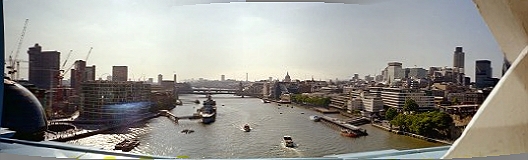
<point x="458" y="59"/>
<point x="90" y="73"/>
<point x="483" y="72"/>
<point x="119" y="73"/>
<point x="43" y="67"/>
<point x="458" y="66"/>
<point x="394" y="71"/>
<point x="78" y="74"/>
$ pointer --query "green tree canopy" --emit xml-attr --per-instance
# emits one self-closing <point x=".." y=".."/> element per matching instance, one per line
<point x="410" y="105"/>
<point x="399" y="120"/>
<point x="390" y="114"/>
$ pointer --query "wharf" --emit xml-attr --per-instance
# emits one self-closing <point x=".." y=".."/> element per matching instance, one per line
<point x="325" y="111"/>
<point x="84" y="134"/>
<point x="334" y="122"/>
<point x="176" y="118"/>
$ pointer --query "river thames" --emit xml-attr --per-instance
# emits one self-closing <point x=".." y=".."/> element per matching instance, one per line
<point x="226" y="139"/>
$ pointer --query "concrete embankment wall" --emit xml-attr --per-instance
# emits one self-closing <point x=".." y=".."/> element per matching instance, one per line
<point x="412" y="135"/>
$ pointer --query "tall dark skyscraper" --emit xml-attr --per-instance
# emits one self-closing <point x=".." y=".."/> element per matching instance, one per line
<point x="43" y="67"/>
<point x="458" y="59"/>
<point x="483" y="72"/>
<point x="458" y="66"/>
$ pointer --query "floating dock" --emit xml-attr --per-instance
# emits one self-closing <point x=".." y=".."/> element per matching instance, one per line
<point x="334" y="122"/>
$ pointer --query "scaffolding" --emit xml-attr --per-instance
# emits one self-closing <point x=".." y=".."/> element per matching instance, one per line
<point x="114" y="100"/>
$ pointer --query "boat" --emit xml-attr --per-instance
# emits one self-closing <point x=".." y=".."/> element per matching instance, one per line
<point x="208" y="111"/>
<point x="247" y="128"/>
<point x="197" y="101"/>
<point x="348" y="133"/>
<point x="265" y="101"/>
<point x="187" y="131"/>
<point x="130" y="145"/>
<point x="288" y="141"/>
<point x="127" y="145"/>
<point x="121" y="144"/>
<point x="315" y="118"/>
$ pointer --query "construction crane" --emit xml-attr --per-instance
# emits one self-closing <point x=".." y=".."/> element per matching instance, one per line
<point x="66" y="60"/>
<point x="64" y="72"/>
<point x="18" y="68"/>
<point x="88" y="55"/>
<point x="61" y="71"/>
<point x="13" y="58"/>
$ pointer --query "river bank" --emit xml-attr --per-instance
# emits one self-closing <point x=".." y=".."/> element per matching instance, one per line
<point x="395" y="131"/>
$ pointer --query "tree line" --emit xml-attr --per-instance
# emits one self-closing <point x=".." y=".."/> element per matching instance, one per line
<point x="316" y="101"/>
<point x="431" y="124"/>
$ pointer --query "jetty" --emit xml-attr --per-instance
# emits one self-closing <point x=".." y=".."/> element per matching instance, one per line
<point x="338" y="124"/>
<point x="176" y="118"/>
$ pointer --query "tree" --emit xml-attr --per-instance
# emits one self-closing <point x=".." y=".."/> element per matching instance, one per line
<point x="399" y="121"/>
<point x="442" y="119"/>
<point x="390" y="114"/>
<point x="410" y="105"/>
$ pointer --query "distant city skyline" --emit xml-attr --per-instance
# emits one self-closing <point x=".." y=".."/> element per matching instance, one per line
<point x="323" y="41"/>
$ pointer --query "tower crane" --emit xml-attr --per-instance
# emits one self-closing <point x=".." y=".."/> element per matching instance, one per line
<point x="86" y="59"/>
<point x="13" y="58"/>
<point x="61" y="71"/>
<point x="88" y="55"/>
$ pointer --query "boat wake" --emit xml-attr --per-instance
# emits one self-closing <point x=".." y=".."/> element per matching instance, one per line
<point x="293" y="151"/>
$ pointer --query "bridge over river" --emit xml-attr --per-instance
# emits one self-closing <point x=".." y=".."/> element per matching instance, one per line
<point x="236" y="92"/>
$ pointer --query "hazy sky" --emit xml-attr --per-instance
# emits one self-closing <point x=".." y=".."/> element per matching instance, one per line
<point x="326" y="41"/>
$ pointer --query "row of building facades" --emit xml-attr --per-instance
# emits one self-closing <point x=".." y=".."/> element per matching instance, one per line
<point x="372" y="95"/>
<point x="435" y="88"/>
<point x="103" y="100"/>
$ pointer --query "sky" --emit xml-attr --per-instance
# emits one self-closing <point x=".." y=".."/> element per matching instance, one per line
<point x="210" y="38"/>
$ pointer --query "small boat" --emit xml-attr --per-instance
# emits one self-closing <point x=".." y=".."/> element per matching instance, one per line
<point x="187" y="131"/>
<point x="288" y="141"/>
<point x="348" y="133"/>
<point x="121" y="144"/>
<point x="197" y="102"/>
<point x="130" y="145"/>
<point x="127" y="145"/>
<point x="247" y="128"/>
<point x="265" y="101"/>
<point x="315" y="118"/>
